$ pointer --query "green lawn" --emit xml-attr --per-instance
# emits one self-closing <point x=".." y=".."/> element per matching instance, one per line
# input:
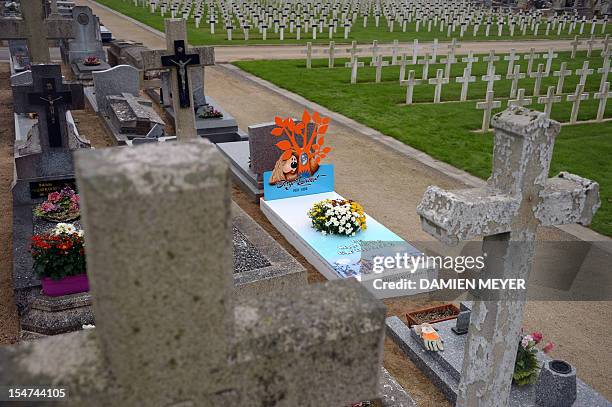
<point x="446" y="131"/>
<point x="202" y="35"/>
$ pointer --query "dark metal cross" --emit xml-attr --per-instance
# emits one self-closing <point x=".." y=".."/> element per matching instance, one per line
<point x="47" y="95"/>
<point x="180" y="60"/>
<point x="51" y="99"/>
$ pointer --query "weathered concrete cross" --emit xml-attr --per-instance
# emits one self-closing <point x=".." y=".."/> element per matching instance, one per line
<point x="177" y="59"/>
<point x="35" y="29"/>
<point x="439" y="80"/>
<point x="602" y="95"/>
<point x="517" y="199"/>
<point x="470" y="59"/>
<point x="575" y="44"/>
<point x="515" y="76"/>
<point x="562" y="73"/>
<point x="548" y="100"/>
<point x="410" y="82"/>
<point x="488" y="105"/>
<point x="511" y="58"/>
<point x="491" y="59"/>
<point x="354" y="65"/>
<point x="584" y="72"/>
<point x="576" y="97"/>
<point x="538" y="75"/>
<point x="520" y="100"/>
<point x="490" y="77"/>
<point x="168" y="331"/>
<point x="465" y="81"/>
<point x="425" y="62"/>
<point x="604" y="71"/>
<point x="50" y="98"/>
<point x="532" y="56"/>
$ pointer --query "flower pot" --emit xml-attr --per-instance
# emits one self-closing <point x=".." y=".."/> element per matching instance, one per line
<point x="416" y="317"/>
<point x="65" y="286"/>
<point x="556" y="385"/>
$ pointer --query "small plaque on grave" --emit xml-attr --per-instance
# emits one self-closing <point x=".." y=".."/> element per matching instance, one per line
<point x="40" y="189"/>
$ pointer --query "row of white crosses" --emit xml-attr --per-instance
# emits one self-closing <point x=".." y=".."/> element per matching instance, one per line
<point x="332" y="19"/>
<point x="551" y="98"/>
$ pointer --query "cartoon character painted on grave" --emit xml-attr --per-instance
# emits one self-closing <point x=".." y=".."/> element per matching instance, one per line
<point x="299" y="160"/>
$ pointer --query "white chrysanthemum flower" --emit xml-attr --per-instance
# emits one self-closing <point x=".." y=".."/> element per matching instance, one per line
<point x="61" y="228"/>
<point x="341" y="229"/>
<point x="80" y="233"/>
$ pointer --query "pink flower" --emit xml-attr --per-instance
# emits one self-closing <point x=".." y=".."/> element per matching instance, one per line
<point x="67" y="191"/>
<point x="537" y="336"/>
<point x="74" y="199"/>
<point x="74" y="207"/>
<point x="48" y="207"/>
<point x="54" y="196"/>
<point x="549" y="346"/>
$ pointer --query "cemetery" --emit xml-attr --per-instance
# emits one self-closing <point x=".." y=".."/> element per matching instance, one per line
<point x="305" y="203"/>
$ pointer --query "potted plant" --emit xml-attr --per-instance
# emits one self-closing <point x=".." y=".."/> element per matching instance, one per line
<point x="59" y="260"/>
<point x="338" y="217"/>
<point x="432" y="315"/>
<point x="526" y="367"/>
<point x="91" y="61"/>
<point x="60" y="206"/>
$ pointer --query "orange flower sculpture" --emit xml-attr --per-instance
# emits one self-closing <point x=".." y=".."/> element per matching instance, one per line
<point x="299" y="158"/>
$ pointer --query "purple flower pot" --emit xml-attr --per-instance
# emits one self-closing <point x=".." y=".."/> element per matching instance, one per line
<point x="65" y="286"/>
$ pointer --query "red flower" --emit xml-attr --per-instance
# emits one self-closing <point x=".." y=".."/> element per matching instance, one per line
<point x="537" y="337"/>
<point x="549" y="346"/>
<point x="54" y="196"/>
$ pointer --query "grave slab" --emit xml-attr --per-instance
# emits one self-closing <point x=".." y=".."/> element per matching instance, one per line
<point x="444" y="368"/>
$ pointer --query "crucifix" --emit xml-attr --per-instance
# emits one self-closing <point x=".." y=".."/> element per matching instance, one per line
<point x="518" y="198"/>
<point x="439" y="80"/>
<point x="176" y="59"/>
<point x="50" y="98"/>
<point x="35" y="29"/>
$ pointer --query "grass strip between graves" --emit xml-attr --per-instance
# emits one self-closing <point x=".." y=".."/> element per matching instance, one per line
<point x="202" y="35"/>
<point x="446" y="131"/>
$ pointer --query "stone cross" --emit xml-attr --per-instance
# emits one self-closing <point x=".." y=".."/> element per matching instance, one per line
<point x="179" y="60"/>
<point x="491" y="59"/>
<point x="35" y="29"/>
<point x="532" y="56"/>
<point x="576" y="97"/>
<point x="465" y="80"/>
<point x="353" y="50"/>
<point x="549" y="56"/>
<point x="415" y="51"/>
<point x="434" y="50"/>
<point x="308" y="52"/>
<point x="470" y="59"/>
<point x="538" y="75"/>
<point x="491" y="78"/>
<point x="488" y="105"/>
<point x="425" y="62"/>
<point x="548" y="100"/>
<point x="511" y="58"/>
<point x="584" y="72"/>
<point x="520" y="100"/>
<point x="379" y="64"/>
<point x="602" y="95"/>
<point x="439" y="80"/>
<point x="592" y="41"/>
<point x="354" y="65"/>
<point x="410" y="82"/>
<point x="604" y="71"/>
<point x="374" y="48"/>
<point x="562" y="73"/>
<point x="448" y="64"/>
<point x="50" y="98"/>
<point x="285" y="348"/>
<point x="332" y="54"/>
<point x="515" y="76"/>
<point x="402" y="64"/>
<point x="394" y="51"/>
<point x="575" y="44"/>
<point x="605" y="45"/>
<point x="517" y="199"/>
